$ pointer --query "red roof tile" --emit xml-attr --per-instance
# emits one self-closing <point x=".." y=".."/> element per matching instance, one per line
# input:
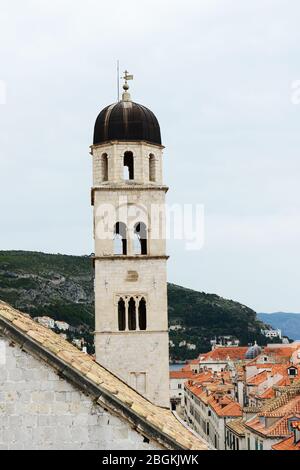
<point x="182" y="374"/>
<point x="223" y="353"/>
<point x="287" y="444"/>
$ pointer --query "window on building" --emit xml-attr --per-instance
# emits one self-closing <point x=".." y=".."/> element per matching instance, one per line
<point x="140" y="239"/>
<point x="248" y="443"/>
<point x="104" y="167"/>
<point x="152" y="168"/>
<point x="292" y="371"/>
<point x="121" y="315"/>
<point x="179" y="386"/>
<point x="128" y="166"/>
<point x="142" y="314"/>
<point x="120" y="239"/>
<point x="131" y="314"/>
<point x="141" y="382"/>
<point x="138" y="381"/>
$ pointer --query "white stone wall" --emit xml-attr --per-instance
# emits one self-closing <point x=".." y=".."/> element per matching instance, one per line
<point x="39" y="410"/>
<point x="196" y="413"/>
<point x="177" y="390"/>
<point x="257" y="442"/>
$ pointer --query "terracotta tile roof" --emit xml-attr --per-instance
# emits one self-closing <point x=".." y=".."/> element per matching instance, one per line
<point x="270" y="392"/>
<point x="278" y="429"/>
<point x="284" y="351"/>
<point x="181" y="374"/>
<point x="256" y="425"/>
<point x="112" y="393"/>
<point x="281" y="405"/>
<point x="289" y="387"/>
<point x="252" y="409"/>
<point x="237" y="426"/>
<point x="223" y="353"/>
<point x="258" y="378"/>
<point x="267" y="394"/>
<point x="225" y="400"/>
<point x="287" y="444"/>
<point x="231" y="409"/>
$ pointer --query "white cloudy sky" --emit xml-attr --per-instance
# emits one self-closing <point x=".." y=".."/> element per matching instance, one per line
<point x="218" y="75"/>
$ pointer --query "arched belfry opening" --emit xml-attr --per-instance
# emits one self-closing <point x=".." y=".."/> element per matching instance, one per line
<point x="131" y="314"/>
<point x="128" y="166"/>
<point x="121" y="315"/>
<point x="152" y="168"/>
<point x="140" y="239"/>
<point x="120" y="239"/>
<point x="104" y="166"/>
<point x="142" y="314"/>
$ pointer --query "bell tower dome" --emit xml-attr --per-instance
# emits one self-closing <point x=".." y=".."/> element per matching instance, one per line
<point x="128" y="195"/>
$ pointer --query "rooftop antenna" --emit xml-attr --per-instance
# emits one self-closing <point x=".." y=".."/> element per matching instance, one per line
<point x="118" y="80"/>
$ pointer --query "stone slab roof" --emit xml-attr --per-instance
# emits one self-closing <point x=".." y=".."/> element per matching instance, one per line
<point x="237" y="426"/>
<point x="158" y="424"/>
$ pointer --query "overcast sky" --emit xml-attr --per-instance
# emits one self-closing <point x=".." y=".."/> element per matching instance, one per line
<point x="217" y="74"/>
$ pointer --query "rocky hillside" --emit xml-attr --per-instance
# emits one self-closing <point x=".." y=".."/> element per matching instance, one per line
<point x="61" y="287"/>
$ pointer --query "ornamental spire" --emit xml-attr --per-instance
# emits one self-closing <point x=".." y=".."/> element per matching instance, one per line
<point x="126" y="95"/>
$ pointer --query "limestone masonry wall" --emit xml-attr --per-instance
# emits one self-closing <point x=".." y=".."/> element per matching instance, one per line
<point x="40" y="410"/>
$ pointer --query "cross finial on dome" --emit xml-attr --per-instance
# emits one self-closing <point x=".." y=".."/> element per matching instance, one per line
<point x="126" y="95"/>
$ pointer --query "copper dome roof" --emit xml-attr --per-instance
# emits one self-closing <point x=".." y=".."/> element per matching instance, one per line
<point x="127" y="121"/>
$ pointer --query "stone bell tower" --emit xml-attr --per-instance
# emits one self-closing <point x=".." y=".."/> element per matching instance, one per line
<point x="128" y="195"/>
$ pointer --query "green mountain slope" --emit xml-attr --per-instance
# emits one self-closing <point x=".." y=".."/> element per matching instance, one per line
<point x="61" y="286"/>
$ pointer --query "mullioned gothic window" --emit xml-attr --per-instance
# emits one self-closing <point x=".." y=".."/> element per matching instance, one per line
<point x="132" y="313"/>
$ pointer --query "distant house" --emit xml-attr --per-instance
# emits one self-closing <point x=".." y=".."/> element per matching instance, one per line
<point x="272" y="333"/>
<point x="175" y="327"/>
<point x="177" y="379"/>
<point x="48" y="322"/>
<point x="62" y="326"/>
